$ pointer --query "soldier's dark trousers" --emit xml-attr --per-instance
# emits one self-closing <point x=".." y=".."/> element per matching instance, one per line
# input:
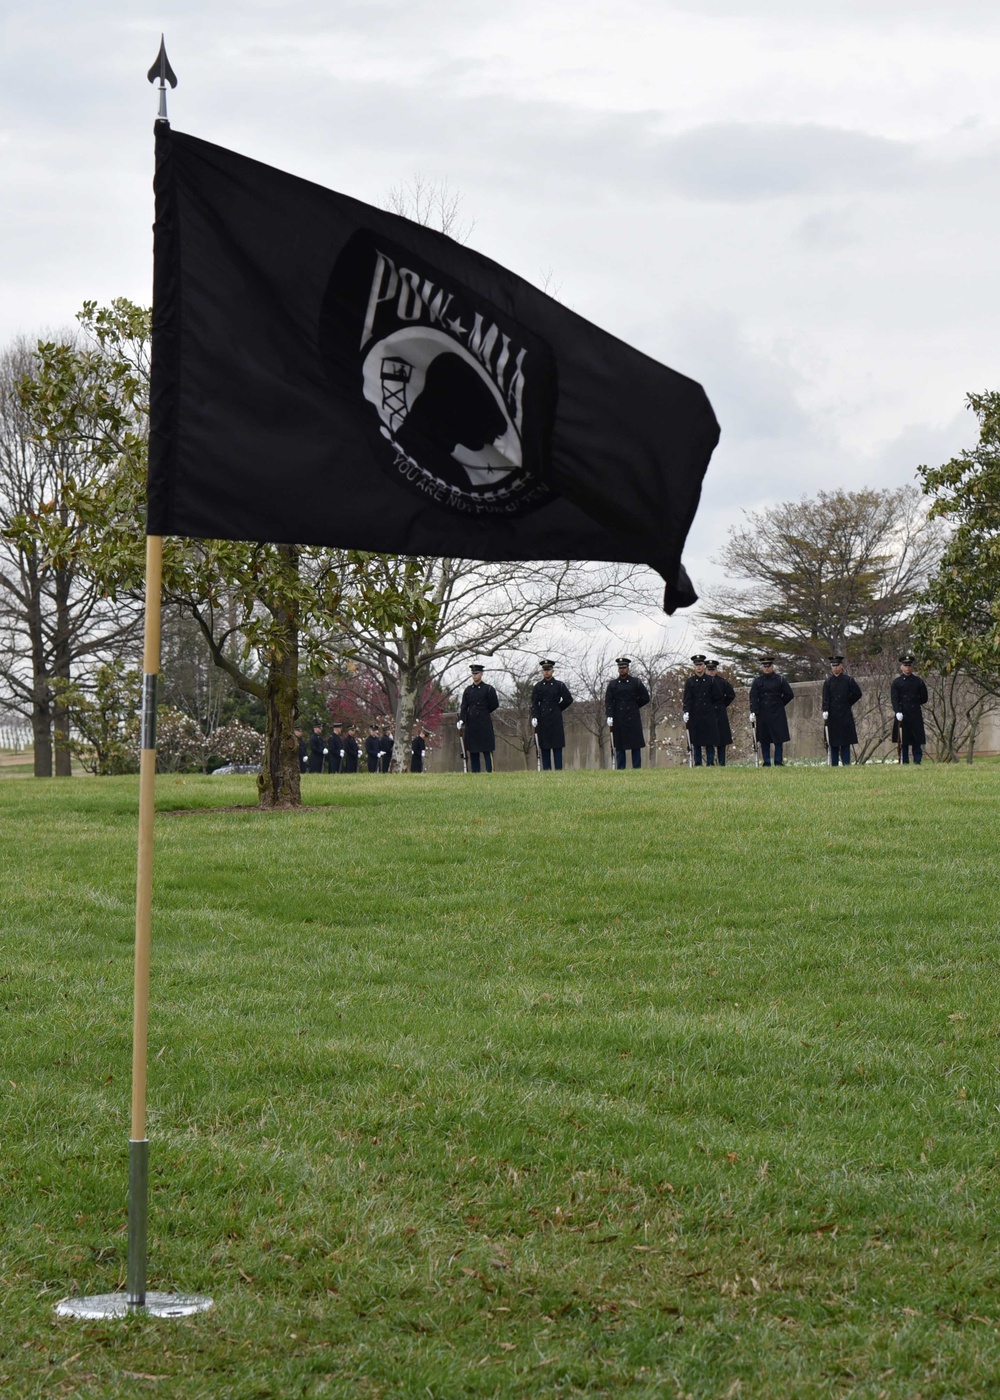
<point x="918" y="753"/>
<point x="552" y="758"/>
<point x="709" y="755"/>
<point x="840" y="754"/>
<point x="620" y="758"/>
<point x="720" y="755"/>
<point x="474" y="762"/>
<point x="778" y="751"/>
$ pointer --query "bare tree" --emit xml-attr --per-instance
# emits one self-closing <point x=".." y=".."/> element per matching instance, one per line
<point x="52" y="618"/>
<point x="431" y="203"/>
<point x="957" y="704"/>
<point x="837" y="574"/>
<point x="457" y="609"/>
<point x="513" y="720"/>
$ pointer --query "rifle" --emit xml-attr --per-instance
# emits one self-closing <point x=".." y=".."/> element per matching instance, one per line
<point x="461" y="745"/>
<point x="687" y="734"/>
<point x="753" y="731"/>
<point x="826" y="736"/>
<point x="538" y="751"/>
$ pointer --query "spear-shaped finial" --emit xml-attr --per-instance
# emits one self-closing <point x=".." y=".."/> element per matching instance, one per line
<point x="161" y="69"/>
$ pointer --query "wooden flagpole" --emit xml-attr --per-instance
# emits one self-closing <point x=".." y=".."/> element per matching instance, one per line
<point x="138" y="1161"/>
<point x="136" y="1298"/>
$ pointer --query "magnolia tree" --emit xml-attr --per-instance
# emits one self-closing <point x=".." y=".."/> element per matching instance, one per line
<point x="182" y="747"/>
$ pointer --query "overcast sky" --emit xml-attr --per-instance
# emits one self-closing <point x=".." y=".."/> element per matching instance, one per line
<point x="795" y="204"/>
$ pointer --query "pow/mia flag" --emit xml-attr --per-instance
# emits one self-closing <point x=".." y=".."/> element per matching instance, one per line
<point x="463" y="396"/>
<point x="328" y="373"/>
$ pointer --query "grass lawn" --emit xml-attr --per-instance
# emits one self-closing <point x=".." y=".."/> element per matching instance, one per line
<point x="663" y="1083"/>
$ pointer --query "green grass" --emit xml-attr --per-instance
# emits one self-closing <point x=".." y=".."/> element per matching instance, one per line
<point x="659" y="1084"/>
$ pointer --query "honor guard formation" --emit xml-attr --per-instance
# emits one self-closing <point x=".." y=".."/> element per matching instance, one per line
<point x="705" y="705"/>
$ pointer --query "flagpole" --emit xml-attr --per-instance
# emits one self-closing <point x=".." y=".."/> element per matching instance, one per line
<point x="138" y="1147"/>
<point x="136" y="1299"/>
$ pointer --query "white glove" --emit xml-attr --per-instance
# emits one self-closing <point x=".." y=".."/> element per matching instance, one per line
<point x="685" y="716"/>
<point x="899" y="716"/>
<point x="610" y="721"/>
<point x="460" y="724"/>
<point x="381" y="753"/>
<point x="342" y="752"/>
<point x="534" y="724"/>
<point x="826" y="714"/>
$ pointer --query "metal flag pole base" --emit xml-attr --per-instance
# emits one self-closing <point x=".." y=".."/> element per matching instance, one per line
<point x="135" y="1300"/>
<point x="99" y="1305"/>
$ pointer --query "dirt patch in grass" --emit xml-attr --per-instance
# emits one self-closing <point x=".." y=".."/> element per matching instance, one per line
<point x="247" y="807"/>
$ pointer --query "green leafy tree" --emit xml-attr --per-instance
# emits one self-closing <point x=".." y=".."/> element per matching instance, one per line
<point x="959" y="622"/>
<point x="54" y="623"/>
<point x="263" y="609"/>
<point x="105" y="719"/>
<point x="838" y="573"/>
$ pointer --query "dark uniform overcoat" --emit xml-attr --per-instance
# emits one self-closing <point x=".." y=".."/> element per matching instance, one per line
<point x="701" y="697"/>
<point x="316" y="755"/>
<point x="478" y="703"/>
<point x="333" y="760"/>
<point x="351" y="751"/>
<point x="386" y="744"/>
<point x="548" y="700"/>
<point x="768" y="697"/>
<point x="839" y="694"/>
<point x="417" y="746"/>
<point x="303" y="755"/>
<point x="623" y="700"/>
<point x="908" y="695"/>
<point x="726" y="697"/>
<point x="372" y="745"/>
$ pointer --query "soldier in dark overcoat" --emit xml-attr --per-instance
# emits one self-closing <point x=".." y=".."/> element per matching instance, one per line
<point x="726" y="697"/>
<point x="303" y="750"/>
<point x="549" y="698"/>
<point x="373" y="748"/>
<point x="352" y="751"/>
<point x="418" y="746"/>
<point x="769" y="694"/>
<point x="623" y="699"/>
<point x="335" y="749"/>
<point x="317" y="749"/>
<point x="701" y="720"/>
<point x="386" y="744"/>
<point x="479" y="700"/>
<point x="909" y="695"/>
<point x="840" y="693"/>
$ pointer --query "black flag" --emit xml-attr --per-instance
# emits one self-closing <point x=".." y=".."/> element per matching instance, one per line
<point x="328" y="373"/>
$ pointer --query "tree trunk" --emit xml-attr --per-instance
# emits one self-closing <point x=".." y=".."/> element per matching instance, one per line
<point x="41" y="726"/>
<point x="61" y="674"/>
<point x="278" y="784"/>
<point x="412" y="679"/>
<point x="973" y="731"/>
<point x="64" y="757"/>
